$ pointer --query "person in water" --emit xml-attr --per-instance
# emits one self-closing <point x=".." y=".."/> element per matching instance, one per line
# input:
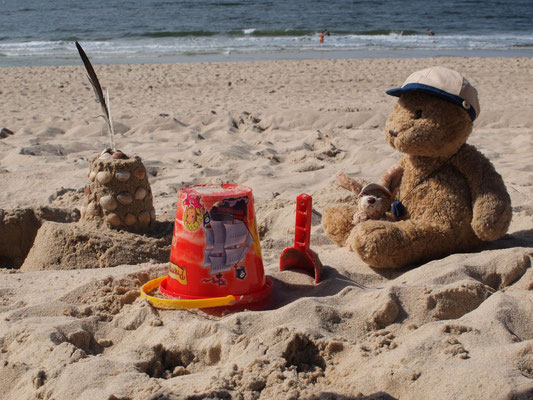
<point x="323" y="33"/>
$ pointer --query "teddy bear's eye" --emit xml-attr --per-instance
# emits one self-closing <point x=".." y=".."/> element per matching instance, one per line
<point x="418" y="114"/>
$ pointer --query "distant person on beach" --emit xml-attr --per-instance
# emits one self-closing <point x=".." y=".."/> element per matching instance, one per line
<point x="430" y="32"/>
<point x="323" y="33"/>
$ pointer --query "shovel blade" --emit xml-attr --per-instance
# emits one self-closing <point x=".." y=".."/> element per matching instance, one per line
<point x="303" y="259"/>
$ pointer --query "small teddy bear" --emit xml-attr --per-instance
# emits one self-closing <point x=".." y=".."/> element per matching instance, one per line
<point x="373" y="199"/>
<point x="450" y="198"/>
<point x="373" y="202"/>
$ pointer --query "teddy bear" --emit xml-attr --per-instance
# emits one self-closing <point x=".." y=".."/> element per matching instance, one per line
<point x="373" y="199"/>
<point x="373" y="202"/>
<point x="449" y="199"/>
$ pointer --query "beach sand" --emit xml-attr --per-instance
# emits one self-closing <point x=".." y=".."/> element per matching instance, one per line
<point x="456" y="328"/>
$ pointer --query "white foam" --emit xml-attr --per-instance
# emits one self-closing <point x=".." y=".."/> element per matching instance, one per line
<point x="250" y="44"/>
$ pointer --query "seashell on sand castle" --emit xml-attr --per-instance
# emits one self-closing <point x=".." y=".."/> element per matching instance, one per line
<point x="118" y="193"/>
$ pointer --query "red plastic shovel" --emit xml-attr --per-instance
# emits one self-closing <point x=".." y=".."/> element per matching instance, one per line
<point x="300" y="256"/>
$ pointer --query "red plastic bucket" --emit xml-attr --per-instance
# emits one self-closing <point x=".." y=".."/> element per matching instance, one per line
<point x="215" y="246"/>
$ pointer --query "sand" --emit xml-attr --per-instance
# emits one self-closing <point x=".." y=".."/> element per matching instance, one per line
<point x="456" y="328"/>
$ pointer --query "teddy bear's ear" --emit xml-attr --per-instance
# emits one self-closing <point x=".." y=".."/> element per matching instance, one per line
<point x="345" y="182"/>
<point x="392" y="178"/>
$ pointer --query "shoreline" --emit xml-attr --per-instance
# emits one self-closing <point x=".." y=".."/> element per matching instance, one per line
<point x="37" y="61"/>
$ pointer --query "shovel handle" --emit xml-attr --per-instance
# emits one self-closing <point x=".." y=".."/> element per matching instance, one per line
<point x="302" y="230"/>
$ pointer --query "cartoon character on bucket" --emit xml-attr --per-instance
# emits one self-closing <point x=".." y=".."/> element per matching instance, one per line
<point x="193" y="214"/>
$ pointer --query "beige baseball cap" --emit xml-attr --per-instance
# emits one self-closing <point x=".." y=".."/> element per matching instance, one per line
<point x="445" y="83"/>
<point x="374" y="186"/>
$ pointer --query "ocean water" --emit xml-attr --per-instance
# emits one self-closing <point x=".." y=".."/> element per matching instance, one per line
<point x="42" y="32"/>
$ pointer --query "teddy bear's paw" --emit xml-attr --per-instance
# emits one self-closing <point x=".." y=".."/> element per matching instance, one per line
<point x="337" y="223"/>
<point x="380" y="244"/>
<point x="359" y="217"/>
<point x="493" y="226"/>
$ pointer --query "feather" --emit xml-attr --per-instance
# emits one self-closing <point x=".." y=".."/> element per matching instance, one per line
<point x="112" y="132"/>
<point x="99" y="94"/>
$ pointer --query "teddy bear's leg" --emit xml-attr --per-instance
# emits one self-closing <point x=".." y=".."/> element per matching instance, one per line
<point x="384" y="244"/>
<point x="337" y="222"/>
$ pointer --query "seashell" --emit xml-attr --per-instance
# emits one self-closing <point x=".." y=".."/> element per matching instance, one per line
<point x="122" y="176"/>
<point x="144" y="218"/>
<point x="108" y="203"/>
<point x="92" y="209"/>
<point x="140" y="193"/>
<point x="139" y="173"/>
<point x="113" y="220"/>
<point x="130" y="219"/>
<point x="92" y="175"/>
<point x="103" y="177"/>
<point x="105" y="156"/>
<point x="87" y="190"/>
<point x="125" y="198"/>
<point x="118" y="155"/>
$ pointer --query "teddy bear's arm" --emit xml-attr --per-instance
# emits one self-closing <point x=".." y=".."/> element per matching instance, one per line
<point x="491" y="204"/>
<point x="392" y="177"/>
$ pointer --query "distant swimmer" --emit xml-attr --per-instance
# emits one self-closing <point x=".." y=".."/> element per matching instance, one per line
<point x="323" y="33"/>
<point x="430" y="32"/>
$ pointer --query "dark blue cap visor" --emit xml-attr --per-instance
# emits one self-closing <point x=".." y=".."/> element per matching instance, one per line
<point x="418" y="87"/>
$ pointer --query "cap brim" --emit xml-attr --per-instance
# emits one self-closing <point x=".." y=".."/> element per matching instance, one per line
<point x="418" y="87"/>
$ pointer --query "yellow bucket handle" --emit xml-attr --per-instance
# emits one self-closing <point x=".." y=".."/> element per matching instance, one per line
<point x="175" y="304"/>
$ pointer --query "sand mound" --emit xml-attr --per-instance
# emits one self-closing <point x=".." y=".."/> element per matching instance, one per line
<point x="51" y="238"/>
<point x="19" y="227"/>
<point x="462" y="313"/>
<point x="75" y="246"/>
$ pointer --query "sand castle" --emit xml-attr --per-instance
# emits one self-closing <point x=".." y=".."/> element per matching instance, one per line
<point x="118" y="193"/>
<point x="117" y="208"/>
<point x="115" y="225"/>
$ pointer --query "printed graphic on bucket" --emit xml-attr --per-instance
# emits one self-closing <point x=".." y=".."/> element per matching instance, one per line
<point x="178" y="273"/>
<point x="193" y="213"/>
<point x="227" y="236"/>
<point x="215" y="249"/>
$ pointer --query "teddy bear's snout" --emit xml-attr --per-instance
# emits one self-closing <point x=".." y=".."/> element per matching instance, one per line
<point x="371" y="202"/>
<point x="393" y="133"/>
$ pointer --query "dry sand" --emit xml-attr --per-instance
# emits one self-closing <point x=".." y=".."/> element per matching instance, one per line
<point x="456" y="328"/>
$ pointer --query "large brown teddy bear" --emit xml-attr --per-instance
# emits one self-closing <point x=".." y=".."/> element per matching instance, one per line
<point x="450" y="198"/>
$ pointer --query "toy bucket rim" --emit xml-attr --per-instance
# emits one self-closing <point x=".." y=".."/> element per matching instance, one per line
<point x="200" y="302"/>
<point x="224" y="189"/>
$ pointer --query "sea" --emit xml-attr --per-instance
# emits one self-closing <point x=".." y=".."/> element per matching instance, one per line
<point x="43" y="32"/>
